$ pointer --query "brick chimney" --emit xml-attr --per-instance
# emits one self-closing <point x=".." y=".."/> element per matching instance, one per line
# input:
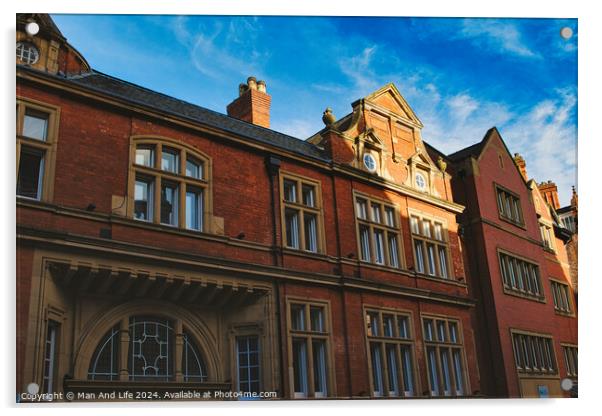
<point x="574" y="199"/>
<point x="522" y="165"/>
<point x="252" y="104"/>
<point x="549" y="190"/>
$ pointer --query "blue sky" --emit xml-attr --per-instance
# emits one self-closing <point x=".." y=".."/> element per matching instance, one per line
<point x="461" y="76"/>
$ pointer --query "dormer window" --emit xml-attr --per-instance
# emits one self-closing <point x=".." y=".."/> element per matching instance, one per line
<point x="27" y="53"/>
<point x="370" y="162"/>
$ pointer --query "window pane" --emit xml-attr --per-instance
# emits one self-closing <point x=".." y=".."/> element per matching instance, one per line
<point x="170" y="160"/>
<point x="414" y="225"/>
<point x="377" y="369"/>
<point x="426" y="228"/>
<point x="376" y="212"/>
<point x="443" y="262"/>
<point x="362" y="210"/>
<point x="390" y="215"/>
<point x="290" y="191"/>
<point x="291" y="218"/>
<point x="392" y="370"/>
<point x="248" y="363"/>
<point x="431" y="259"/>
<point x="31" y="171"/>
<point x="143" y="200"/>
<point x="35" y="125"/>
<point x="319" y="358"/>
<point x="393" y="251"/>
<point x="151" y="349"/>
<point x="145" y="156"/>
<point x="50" y="351"/>
<point x="441" y="335"/>
<point x="432" y="368"/>
<point x="311" y="237"/>
<point x="428" y="330"/>
<point x="365" y="243"/>
<point x="404" y="331"/>
<point x="379" y="247"/>
<point x="309" y="198"/>
<point x="388" y="325"/>
<point x="169" y="204"/>
<point x="407" y="370"/>
<point x="438" y="232"/>
<point x="194" y="209"/>
<point x="453" y="332"/>
<point x="373" y="327"/>
<point x="317" y="318"/>
<point x="300" y="366"/>
<point x="458" y="373"/>
<point x="418" y="246"/>
<point x="298" y="317"/>
<point x="445" y="371"/>
<point x="194" y="168"/>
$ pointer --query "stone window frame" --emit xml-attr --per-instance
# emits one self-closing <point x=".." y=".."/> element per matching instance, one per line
<point x="569" y="360"/>
<point x="318" y="211"/>
<point x="157" y="175"/>
<point x="392" y="340"/>
<point x="507" y="287"/>
<point x="557" y="308"/>
<point x="499" y="189"/>
<point x="449" y="346"/>
<point x="248" y="329"/>
<point x="546" y="230"/>
<point x="309" y="336"/>
<point x="47" y="147"/>
<point x="520" y="363"/>
<point x="444" y="243"/>
<point x="387" y="230"/>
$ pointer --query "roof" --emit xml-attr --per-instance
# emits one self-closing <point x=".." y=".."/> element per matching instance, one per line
<point x="472" y="150"/>
<point x="114" y="87"/>
<point x="563" y="210"/>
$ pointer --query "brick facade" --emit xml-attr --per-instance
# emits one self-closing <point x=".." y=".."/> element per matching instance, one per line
<point x="86" y="263"/>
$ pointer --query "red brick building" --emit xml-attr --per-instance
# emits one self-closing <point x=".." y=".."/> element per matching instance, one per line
<point x="526" y="318"/>
<point x="164" y="246"/>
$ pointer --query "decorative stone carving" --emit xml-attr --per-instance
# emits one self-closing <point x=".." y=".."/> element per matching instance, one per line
<point x="328" y="118"/>
<point x="441" y="164"/>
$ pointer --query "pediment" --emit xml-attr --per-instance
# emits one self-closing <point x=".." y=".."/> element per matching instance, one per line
<point x="421" y="158"/>
<point x="372" y="138"/>
<point x="390" y="99"/>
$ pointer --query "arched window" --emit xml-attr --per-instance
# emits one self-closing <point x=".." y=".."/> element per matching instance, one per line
<point x="169" y="184"/>
<point x="151" y="353"/>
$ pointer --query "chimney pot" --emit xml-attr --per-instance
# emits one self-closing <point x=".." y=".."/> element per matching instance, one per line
<point x="252" y="104"/>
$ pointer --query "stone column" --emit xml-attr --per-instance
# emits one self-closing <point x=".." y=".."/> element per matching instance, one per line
<point x="124" y="340"/>
<point x="178" y="350"/>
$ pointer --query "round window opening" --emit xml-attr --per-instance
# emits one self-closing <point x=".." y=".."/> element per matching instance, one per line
<point x="27" y="53"/>
<point x="420" y="182"/>
<point x="370" y="162"/>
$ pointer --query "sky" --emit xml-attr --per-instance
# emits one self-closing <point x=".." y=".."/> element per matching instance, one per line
<point x="460" y="76"/>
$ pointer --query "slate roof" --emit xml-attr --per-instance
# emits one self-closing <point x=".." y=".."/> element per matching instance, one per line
<point x="114" y="87"/>
<point x="472" y="150"/>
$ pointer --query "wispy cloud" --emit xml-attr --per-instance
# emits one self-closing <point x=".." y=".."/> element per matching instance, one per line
<point x="501" y="37"/>
<point x="218" y="49"/>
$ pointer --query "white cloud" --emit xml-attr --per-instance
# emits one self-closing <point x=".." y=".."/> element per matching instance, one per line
<point x="497" y="36"/>
<point x="218" y="51"/>
<point x="546" y="136"/>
